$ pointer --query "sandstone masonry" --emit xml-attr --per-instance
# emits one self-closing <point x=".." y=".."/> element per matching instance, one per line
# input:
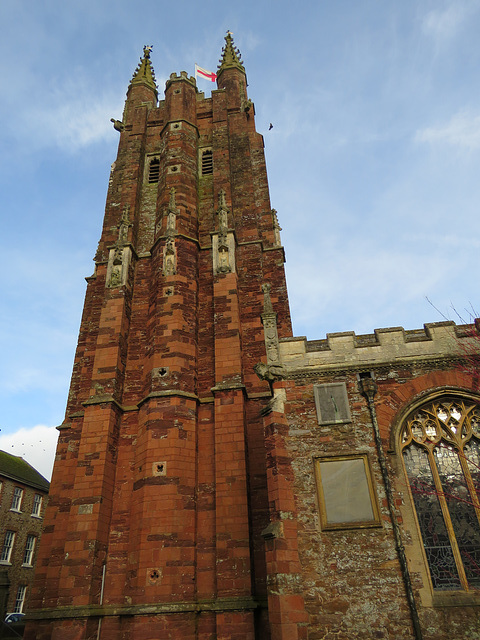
<point x="217" y="478"/>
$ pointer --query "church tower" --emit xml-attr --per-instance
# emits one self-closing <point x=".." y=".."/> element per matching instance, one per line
<point x="159" y="491"/>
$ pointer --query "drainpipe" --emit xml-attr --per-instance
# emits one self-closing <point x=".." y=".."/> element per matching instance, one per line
<point x="99" y="628"/>
<point x="368" y="388"/>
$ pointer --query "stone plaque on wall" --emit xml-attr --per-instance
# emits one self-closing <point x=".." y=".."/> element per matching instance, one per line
<point x="331" y="401"/>
<point x="346" y="495"/>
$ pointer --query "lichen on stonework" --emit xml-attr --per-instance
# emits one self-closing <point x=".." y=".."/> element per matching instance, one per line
<point x="231" y="57"/>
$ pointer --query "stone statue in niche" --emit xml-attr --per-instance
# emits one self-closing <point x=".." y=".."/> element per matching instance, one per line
<point x="267" y="301"/>
<point x="172" y="214"/>
<point x="123" y="227"/>
<point x="169" y="258"/>
<point x="169" y="251"/>
<point x="116" y="260"/>
<point x="223" y="257"/>
<point x="223" y="260"/>
<point x="116" y="267"/>
<point x="115" y="276"/>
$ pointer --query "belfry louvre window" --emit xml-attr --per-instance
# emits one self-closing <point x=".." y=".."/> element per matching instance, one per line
<point x="440" y="443"/>
<point x="154" y="171"/>
<point x="207" y="162"/>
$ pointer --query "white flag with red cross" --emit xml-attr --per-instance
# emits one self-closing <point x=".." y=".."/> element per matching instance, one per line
<point x="203" y="73"/>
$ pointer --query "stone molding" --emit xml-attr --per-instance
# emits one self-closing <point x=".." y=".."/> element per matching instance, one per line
<point x="99" y="611"/>
<point x="102" y="399"/>
<point x="228" y="386"/>
<point x="164" y="394"/>
<point x="436" y="343"/>
<point x="181" y="120"/>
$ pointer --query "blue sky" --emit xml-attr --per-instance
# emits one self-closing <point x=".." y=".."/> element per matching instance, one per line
<point x="373" y="163"/>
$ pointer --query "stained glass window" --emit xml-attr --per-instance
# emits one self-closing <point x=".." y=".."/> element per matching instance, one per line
<point x="441" y="451"/>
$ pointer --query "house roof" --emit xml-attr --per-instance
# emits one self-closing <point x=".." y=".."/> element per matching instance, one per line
<point x="16" y="468"/>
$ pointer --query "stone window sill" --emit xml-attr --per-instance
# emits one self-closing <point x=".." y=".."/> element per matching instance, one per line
<point x="456" y="599"/>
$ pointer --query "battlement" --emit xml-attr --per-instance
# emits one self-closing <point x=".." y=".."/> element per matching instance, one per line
<point x="392" y="344"/>
<point x="177" y="78"/>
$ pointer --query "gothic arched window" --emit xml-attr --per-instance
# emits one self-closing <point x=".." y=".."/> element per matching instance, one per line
<point x="440" y="444"/>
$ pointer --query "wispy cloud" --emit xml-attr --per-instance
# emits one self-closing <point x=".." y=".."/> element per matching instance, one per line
<point x="71" y="117"/>
<point x="251" y="40"/>
<point x="69" y="113"/>
<point x="463" y="130"/>
<point x="444" y="23"/>
<point x="36" y="445"/>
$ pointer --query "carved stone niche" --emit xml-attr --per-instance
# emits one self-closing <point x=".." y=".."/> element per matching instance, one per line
<point x="223" y="253"/>
<point x="271" y="338"/>
<point x="169" y="258"/>
<point x="117" y="268"/>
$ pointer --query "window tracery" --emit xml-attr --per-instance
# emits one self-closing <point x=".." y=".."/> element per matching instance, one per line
<point x="440" y="444"/>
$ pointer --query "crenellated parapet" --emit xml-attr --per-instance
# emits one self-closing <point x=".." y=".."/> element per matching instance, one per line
<point x="438" y="340"/>
<point x="183" y="76"/>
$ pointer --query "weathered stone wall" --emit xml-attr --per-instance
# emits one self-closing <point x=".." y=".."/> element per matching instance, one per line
<point x="184" y="502"/>
<point x="351" y="578"/>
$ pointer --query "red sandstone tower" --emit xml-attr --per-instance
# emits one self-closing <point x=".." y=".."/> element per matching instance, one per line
<point x="159" y="492"/>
